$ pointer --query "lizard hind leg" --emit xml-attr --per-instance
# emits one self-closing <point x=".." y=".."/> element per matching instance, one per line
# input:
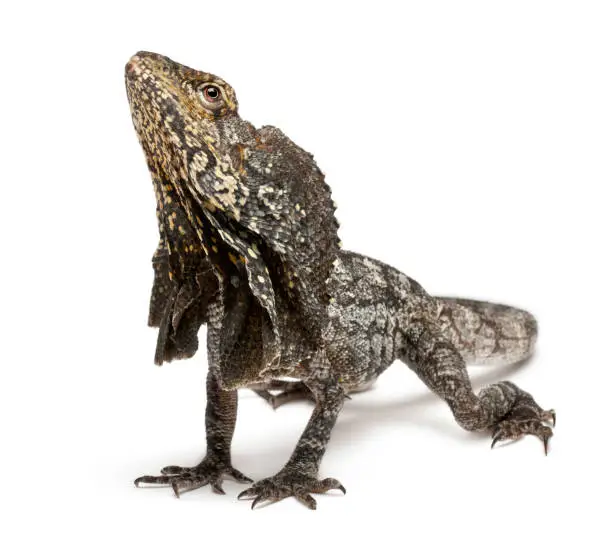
<point x="503" y="408"/>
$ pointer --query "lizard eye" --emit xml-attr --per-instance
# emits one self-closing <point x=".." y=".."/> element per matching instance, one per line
<point x="212" y="97"/>
<point x="211" y="93"/>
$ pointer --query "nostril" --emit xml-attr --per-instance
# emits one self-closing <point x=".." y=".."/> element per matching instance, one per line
<point x="133" y="66"/>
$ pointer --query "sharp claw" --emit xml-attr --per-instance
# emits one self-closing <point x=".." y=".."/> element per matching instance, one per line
<point x="244" y="494"/>
<point x="545" y="440"/>
<point x="256" y="501"/>
<point x="330" y="484"/>
<point x="151" y="479"/>
<point x="217" y="488"/>
<point x="495" y="440"/>
<point x="175" y="488"/>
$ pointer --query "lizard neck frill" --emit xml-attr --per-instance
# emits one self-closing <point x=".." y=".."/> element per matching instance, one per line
<point x="261" y="197"/>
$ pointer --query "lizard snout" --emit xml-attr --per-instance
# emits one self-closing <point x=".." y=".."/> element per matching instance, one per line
<point x="133" y="66"/>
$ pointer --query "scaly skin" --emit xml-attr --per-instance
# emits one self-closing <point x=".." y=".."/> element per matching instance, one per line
<point x="249" y="246"/>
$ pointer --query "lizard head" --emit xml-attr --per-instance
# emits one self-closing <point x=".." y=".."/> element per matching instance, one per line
<point x="251" y="194"/>
<point x="175" y="85"/>
<point x="186" y="118"/>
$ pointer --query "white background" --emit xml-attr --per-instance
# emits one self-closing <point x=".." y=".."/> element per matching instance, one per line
<point x="467" y="143"/>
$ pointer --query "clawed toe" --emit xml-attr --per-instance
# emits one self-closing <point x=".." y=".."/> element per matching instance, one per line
<point x="284" y="485"/>
<point x="550" y="416"/>
<point x="180" y="479"/>
<point x="239" y="476"/>
<point x="174" y="470"/>
<point x="513" y="428"/>
<point x="157" y="480"/>
<point x="306" y="499"/>
<point x="329" y="484"/>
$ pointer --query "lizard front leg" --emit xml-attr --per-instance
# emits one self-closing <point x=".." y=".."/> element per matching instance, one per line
<point x="503" y="408"/>
<point x="299" y="476"/>
<point x="221" y="410"/>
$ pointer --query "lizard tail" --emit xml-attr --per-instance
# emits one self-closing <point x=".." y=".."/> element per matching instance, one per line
<point x="488" y="333"/>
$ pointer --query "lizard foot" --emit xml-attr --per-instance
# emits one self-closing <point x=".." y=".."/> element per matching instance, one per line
<point x="210" y="471"/>
<point x="525" y="418"/>
<point x="290" y="483"/>
<point x="289" y="391"/>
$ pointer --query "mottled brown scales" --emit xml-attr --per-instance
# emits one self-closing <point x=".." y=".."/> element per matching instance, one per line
<point x="249" y="247"/>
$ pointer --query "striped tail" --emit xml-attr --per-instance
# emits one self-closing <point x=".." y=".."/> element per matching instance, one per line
<point x="487" y="333"/>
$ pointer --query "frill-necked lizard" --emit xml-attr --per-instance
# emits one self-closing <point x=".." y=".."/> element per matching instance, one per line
<point x="249" y="246"/>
